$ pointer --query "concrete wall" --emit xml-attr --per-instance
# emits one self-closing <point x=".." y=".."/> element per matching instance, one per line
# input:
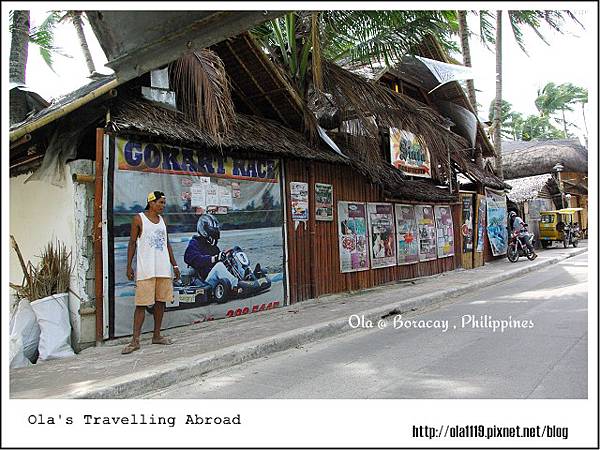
<point x="40" y="213"/>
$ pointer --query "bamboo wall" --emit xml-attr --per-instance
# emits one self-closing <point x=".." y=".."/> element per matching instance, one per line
<point x="313" y="255"/>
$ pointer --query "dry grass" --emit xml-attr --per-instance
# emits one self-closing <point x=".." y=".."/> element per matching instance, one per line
<point x="51" y="276"/>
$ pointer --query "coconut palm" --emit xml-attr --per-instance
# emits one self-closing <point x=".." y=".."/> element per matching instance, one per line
<point x="553" y="98"/>
<point x="76" y="18"/>
<point x="299" y="40"/>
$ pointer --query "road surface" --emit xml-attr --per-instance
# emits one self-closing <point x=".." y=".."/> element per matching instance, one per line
<point x="545" y="357"/>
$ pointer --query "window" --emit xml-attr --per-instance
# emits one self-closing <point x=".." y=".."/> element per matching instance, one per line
<point x="547" y="218"/>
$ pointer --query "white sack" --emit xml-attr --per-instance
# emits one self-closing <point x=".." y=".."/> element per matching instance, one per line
<point x="17" y="358"/>
<point x="25" y="326"/>
<point x="53" y="318"/>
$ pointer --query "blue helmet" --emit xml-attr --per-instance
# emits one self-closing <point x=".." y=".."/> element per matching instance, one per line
<point x="209" y="228"/>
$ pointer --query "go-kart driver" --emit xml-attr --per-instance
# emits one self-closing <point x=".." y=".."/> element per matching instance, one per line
<point x="203" y="254"/>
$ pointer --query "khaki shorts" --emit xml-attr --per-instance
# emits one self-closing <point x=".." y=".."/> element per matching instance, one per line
<point x="153" y="289"/>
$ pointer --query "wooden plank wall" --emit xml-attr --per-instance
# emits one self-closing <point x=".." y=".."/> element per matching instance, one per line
<point x="323" y="254"/>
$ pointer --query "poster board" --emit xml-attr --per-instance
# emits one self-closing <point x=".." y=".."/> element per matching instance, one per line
<point x="481" y="219"/>
<point x="248" y="195"/>
<point x="299" y="201"/>
<point x="409" y="153"/>
<point x="382" y="234"/>
<point x="467" y="236"/>
<point x="496" y="221"/>
<point x="444" y="228"/>
<point x="427" y="235"/>
<point x="324" y="202"/>
<point x="407" y="234"/>
<point x="352" y="236"/>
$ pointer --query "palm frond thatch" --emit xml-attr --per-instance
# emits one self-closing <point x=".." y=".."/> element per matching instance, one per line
<point x="203" y="91"/>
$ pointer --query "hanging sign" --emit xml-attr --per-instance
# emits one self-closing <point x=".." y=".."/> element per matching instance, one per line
<point x="352" y="235"/>
<point x="496" y="221"/>
<point x="382" y="232"/>
<point x="409" y="153"/>
<point x="426" y="226"/>
<point x="323" y="202"/>
<point x="445" y="231"/>
<point x="407" y="235"/>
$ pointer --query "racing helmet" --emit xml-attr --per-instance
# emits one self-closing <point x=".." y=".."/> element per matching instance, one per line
<point x="209" y="228"/>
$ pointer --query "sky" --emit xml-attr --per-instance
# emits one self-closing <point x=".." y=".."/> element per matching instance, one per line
<point x="566" y="59"/>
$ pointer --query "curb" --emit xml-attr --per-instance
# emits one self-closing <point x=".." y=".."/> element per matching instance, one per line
<point x="137" y="384"/>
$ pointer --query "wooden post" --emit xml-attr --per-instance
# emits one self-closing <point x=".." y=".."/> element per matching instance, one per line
<point x="97" y="235"/>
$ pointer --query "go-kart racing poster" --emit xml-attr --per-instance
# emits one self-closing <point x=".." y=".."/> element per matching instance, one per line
<point x="353" y="237"/>
<point x="382" y="232"/>
<point x="245" y="198"/>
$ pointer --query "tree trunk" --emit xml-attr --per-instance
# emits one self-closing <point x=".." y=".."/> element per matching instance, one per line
<point x="78" y="24"/>
<point x="463" y="31"/>
<point x="19" y="46"/>
<point x="564" y="122"/>
<point x="584" y="124"/>
<point x="498" y="101"/>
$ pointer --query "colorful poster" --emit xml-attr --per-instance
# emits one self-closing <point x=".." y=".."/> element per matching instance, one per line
<point x="299" y="200"/>
<point x="353" y="239"/>
<point x="496" y="221"/>
<point x="253" y="222"/>
<point x="382" y="232"/>
<point x="409" y="153"/>
<point x="323" y="202"/>
<point x="407" y="234"/>
<point x="426" y="227"/>
<point x="445" y="231"/>
<point x="481" y="210"/>
<point x="466" y="229"/>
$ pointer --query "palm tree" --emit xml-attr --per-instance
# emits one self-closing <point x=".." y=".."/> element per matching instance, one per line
<point x="299" y="40"/>
<point x="554" y="98"/>
<point x="76" y="18"/>
<point x="19" y="45"/>
<point x="466" y="53"/>
<point x="498" y="101"/>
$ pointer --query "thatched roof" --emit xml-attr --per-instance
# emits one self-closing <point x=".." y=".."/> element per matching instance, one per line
<point x="249" y="134"/>
<point x="421" y="77"/>
<point x="521" y="159"/>
<point x="528" y="188"/>
<point x="259" y="87"/>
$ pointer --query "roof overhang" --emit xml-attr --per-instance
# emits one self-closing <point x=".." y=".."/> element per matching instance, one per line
<point x="136" y="42"/>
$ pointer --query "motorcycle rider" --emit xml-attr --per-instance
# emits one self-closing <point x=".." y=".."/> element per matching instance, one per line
<point x="519" y="227"/>
<point x="203" y="254"/>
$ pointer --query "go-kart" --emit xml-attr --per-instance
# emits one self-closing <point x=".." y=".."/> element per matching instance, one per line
<point x="192" y="291"/>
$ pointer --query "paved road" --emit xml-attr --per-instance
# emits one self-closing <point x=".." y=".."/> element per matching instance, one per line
<point x="548" y="360"/>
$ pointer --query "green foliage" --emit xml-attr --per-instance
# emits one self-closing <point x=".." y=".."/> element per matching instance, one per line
<point x="349" y="37"/>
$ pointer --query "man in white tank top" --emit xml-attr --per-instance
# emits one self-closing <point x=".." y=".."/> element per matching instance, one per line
<point x="153" y="276"/>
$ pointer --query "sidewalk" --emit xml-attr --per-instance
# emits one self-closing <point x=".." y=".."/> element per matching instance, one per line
<point x="102" y="372"/>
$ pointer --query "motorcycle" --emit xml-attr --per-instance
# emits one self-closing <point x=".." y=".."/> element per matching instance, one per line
<point x="517" y="248"/>
<point x="571" y="235"/>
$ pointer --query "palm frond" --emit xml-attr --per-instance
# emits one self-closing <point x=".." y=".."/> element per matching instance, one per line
<point x="203" y="91"/>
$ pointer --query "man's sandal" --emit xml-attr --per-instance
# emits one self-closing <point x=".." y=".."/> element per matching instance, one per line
<point x="130" y="348"/>
<point x="163" y="340"/>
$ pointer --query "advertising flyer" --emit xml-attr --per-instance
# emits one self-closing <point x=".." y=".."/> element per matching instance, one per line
<point x="353" y="238"/>
<point x="407" y="234"/>
<point x="466" y="229"/>
<point x="299" y="200"/>
<point x="496" y="221"/>
<point x="250" y="220"/>
<point x="427" y="238"/>
<point x="382" y="232"/>
<point x="323" y="202"/>
<point x="445" y="231"/>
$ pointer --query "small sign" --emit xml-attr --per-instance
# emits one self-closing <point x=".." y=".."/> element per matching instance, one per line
<point x="299" y="200"/>
<point x="324" y="202"/>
